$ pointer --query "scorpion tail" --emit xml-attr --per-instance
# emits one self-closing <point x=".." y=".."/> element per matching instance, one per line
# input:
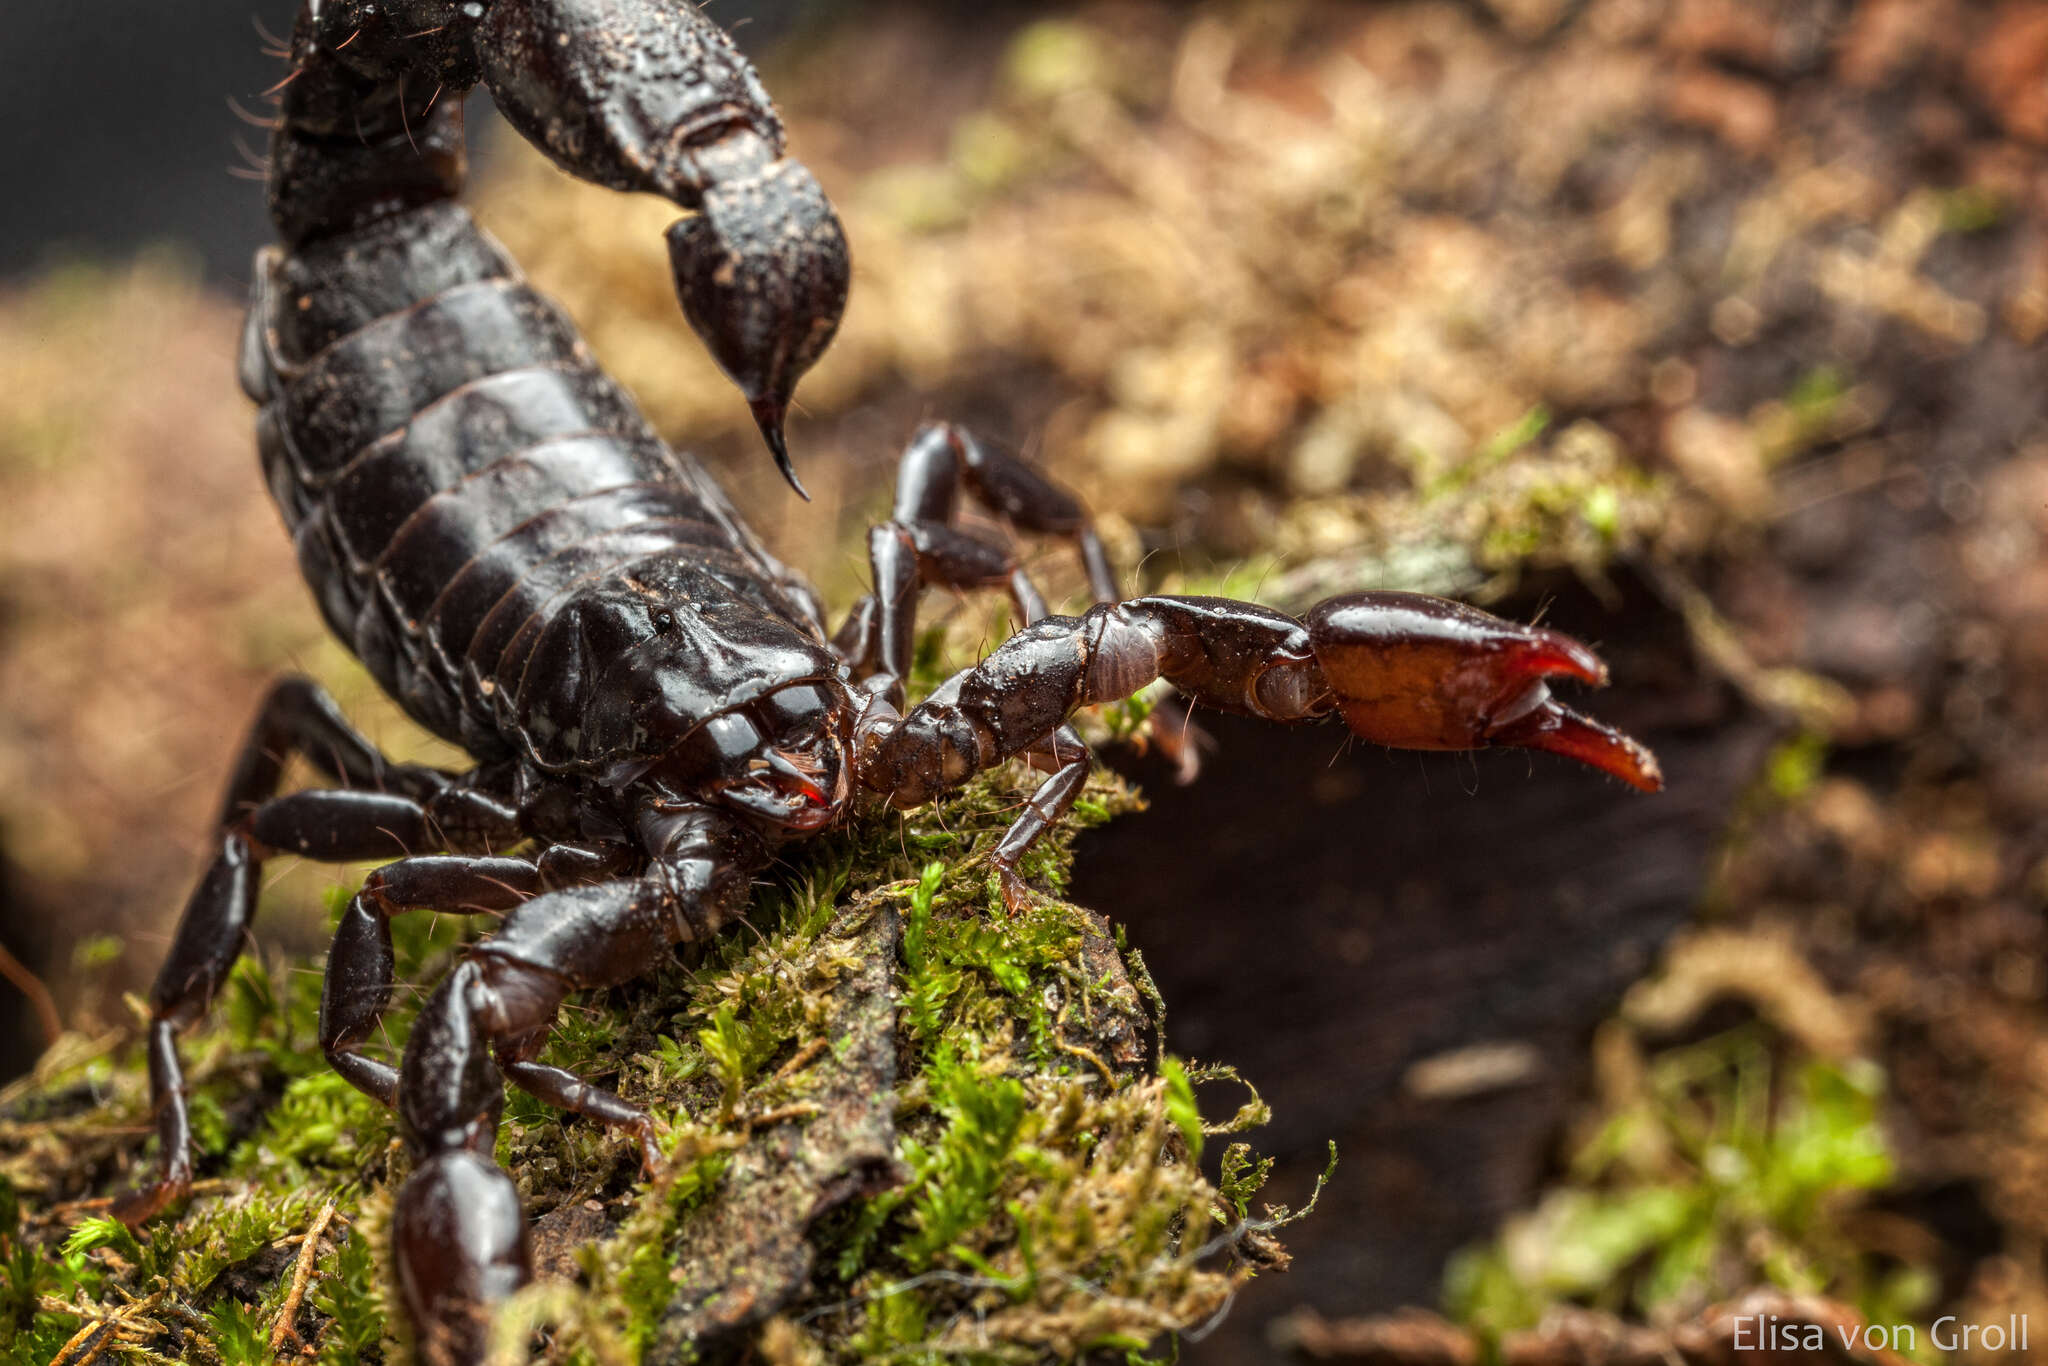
<point x="458" y="1200"/>
<point x="761" y="271"/>
<point x="649" y="95"/>
<point x="1418" y="672"/>
<point x="768" y="414"/>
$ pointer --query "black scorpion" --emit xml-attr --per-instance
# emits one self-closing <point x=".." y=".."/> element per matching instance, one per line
<point x="654" y="703"/>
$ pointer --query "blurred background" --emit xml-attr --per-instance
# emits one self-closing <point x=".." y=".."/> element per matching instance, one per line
<point x="1707" y="329"/>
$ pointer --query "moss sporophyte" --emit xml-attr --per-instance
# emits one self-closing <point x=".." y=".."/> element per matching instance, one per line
<point x="899" y="1123"/>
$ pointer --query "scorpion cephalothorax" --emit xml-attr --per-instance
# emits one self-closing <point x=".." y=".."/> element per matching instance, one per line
<point x="655" y="702"/>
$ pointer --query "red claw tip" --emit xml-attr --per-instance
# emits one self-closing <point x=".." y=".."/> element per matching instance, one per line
<point x="1560" y="730"/>
<point x="1550" y="654"/>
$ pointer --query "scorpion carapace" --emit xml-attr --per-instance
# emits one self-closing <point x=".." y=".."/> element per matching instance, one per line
<point x="654" y="702"/>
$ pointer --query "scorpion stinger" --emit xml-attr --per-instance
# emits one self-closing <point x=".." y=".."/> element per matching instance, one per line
<point x="646" y="95"/>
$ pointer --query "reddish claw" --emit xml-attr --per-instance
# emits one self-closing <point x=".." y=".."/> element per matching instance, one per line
<point x="1418" y="672"/>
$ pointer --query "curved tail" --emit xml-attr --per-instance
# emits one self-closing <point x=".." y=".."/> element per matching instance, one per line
<point x="636" y="95"/>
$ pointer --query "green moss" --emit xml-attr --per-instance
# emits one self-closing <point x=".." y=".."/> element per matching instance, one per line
<point x="1794" y="766"/>
<point x="956" y="1182"/>
<point x="1734" y="1165"/>
<point x="347" y="1294"/>
<point x="238" y="1334"/>
<point x="1973" y="208"/>
<point x="1491" y="453"/>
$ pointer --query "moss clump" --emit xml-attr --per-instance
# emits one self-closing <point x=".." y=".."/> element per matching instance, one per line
<point x="900" y="1123"/>
<point x="1720" y="1166"/>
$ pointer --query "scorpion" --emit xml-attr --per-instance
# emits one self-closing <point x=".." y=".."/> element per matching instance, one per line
<point x="654" y="703"/>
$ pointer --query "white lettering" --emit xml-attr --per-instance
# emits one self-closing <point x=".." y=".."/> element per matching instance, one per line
<point x="1878" y="1337"/>
<point x="1742" y="1342"/>
<point x="1942" y="1343"/>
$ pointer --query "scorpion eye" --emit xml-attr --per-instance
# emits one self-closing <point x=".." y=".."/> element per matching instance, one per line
<point x="664" y="620"/>
<point x="794" y="709"/>
<point x="714" y="749"/>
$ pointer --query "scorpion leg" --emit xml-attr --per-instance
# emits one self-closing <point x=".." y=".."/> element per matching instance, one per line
<point x="1404" y="670"/>
<point x="1023" y="496"/>
<point x="458" y="1232"/>
<point x="357" y="989"/>
<point x="297" y="716"/>
<point x="920" y="546"/>
<point x="565" y="1090"/>
<point x="1065" y="758"/>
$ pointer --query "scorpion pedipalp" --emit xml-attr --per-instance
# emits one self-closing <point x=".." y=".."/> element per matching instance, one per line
<point x="1419" y="672"/>
<point x="458" y="1202"/>
<point x="1404" y="670"/>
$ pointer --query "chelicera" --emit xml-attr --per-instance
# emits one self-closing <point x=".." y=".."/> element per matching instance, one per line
<point x="654" y="703"/>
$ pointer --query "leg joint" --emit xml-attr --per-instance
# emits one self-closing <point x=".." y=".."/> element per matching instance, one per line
<point x="511" y="998"/>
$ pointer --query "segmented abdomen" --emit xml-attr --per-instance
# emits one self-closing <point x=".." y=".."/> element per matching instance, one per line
<point x="451" y="462"/>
